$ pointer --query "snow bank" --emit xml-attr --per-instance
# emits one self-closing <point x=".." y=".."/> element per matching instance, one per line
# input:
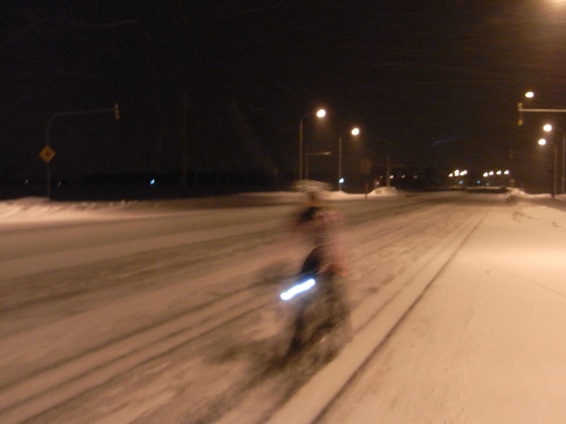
<point x="34" y="209"/>
<point x="385" y="191"/>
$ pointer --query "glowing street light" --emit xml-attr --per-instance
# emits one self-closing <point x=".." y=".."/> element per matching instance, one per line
<point x="355" y="132"/>
<point x="528" y="95"/>
<point x="542" y="142"/>
<point x="521" y="109"/>
<point x="321" y="113"/>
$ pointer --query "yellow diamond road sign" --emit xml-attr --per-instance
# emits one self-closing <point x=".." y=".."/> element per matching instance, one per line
<point x="47" y="153"/>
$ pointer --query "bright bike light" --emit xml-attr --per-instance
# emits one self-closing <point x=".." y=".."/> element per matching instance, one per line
<point x="297" y="288"/>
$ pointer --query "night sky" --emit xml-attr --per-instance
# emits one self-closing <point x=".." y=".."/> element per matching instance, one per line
<point x="430" y="83"/>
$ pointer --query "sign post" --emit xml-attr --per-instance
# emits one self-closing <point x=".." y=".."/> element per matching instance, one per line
<point x="47" y="153"/>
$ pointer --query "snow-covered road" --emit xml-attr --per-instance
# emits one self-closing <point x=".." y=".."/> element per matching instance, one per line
<point x="169" y="314"/>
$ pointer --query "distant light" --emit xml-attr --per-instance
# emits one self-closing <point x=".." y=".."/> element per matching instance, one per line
<point x="485" y="174"/>
<point x="498" y="172"/>
<point x="529" y="94"/>
<point x="507" y="172"/>
<point x="152" y="182"/>
<point x="490" y="172"/>
<point x="355" y="131"/>
<point x="451" y="174"/>
<point x="547" y="127"/>
<point x="341" y="180"/>
<point x="542" y="142"/>
<point x="321" y="113"/>
<point x="297" y="288"/>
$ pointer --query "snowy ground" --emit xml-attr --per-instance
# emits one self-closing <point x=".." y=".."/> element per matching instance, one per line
<point x="487" y="342"/>
<point x="154" y="312"/>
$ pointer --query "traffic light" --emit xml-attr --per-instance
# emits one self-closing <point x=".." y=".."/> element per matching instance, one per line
<point x="116" y="112"/>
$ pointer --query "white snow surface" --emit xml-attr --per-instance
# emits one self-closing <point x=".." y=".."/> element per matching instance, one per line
<point x="487" y="342"/>
<point x="165" y="311"/>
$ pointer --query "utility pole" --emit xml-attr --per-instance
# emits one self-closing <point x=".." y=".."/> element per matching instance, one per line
<point x="47" y="153"/>
<point x="522" y="110"/>
<point x="388" y="171"/>
<point x="185" y="139"/>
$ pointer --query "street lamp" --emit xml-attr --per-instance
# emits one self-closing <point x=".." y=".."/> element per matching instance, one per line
<point x="321" y="113"/>
<point x="528" y="95"/>
<point x="542" y="142"/>
<point x="521" y="109"/>
<point x="355" y="132"/>
<point x="550" y="128"/>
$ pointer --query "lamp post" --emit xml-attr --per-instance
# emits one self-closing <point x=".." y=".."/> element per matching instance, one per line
<point x="542" y="142"/>
<point x="321" y="113"/>
<point x="550" y="128"/>
<point x="355" y="132"/>
<point x="521" y="109"/>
